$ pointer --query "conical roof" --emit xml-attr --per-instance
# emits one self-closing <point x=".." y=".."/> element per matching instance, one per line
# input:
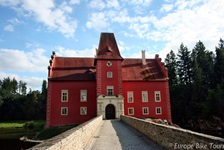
<point x="108" y="48"/>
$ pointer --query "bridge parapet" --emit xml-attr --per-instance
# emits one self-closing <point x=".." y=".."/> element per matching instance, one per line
<point x="174" y="138"/>
<point x="75" y="138"/>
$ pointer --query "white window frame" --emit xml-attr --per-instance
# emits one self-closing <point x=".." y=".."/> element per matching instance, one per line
<point x="109" y="74"/>
<point x="110" y="88"/>
<point x="158" y="110"/>
<point x="157" y="96"/>
<point x="64" y="94"/>
<point x="64" y="109"/>
<point x="131" y="108"/>
<point x="143" y="110"/>
<point x="83" y="95"/>
<point x="83" y="110"/>
<point x="130" y="96"/>
<point x="145" y="99"/>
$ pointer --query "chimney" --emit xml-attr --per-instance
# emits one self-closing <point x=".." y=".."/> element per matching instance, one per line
<point x="143" y="57"/>
<point x="96" y="51"/>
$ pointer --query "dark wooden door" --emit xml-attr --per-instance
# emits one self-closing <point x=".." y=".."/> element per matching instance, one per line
<point x="110" y="112"/>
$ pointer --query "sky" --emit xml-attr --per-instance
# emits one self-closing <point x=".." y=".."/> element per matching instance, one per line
<point x="31" y="29"/>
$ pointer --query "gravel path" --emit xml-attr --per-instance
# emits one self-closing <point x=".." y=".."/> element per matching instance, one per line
<point x="115" y="135"/>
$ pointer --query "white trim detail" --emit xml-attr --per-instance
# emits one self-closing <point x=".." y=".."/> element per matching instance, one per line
<point x="157" y="96"/>
<point x="64" y="111"/>
<point x="145" y="96"/>
<point x="83" y="110"/>
<point x="145" y="110"/>
<point x="131" y="111"/>
<point x="130" y="97"/>
<point x="117" y="101"/>
<point x="110" y="90"/>
<point x="83" y="95"/>
<point x="64" y="95"/>
<point x="159" y="110"/>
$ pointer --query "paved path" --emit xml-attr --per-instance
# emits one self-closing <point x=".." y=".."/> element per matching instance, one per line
<point x="115" y="135"/>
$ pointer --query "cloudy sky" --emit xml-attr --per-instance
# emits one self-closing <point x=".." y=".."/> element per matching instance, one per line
<point x="31" y="29"/>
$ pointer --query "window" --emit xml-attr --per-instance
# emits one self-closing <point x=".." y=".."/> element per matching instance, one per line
<point x="158" y="110"/>
<point x="145" y="110"/>
<point x="83" y="110"/>
<point x="110" y="90"/>
<point x="157" y="96"/>
<point x="144" y="96"/>
<point x="109" y="74"/>
<point x="64" y="95"/>
<point x="131" y="111"/>
<point x="83" y="95"/>
<point x="130" y="97"/>
<point x="64" y="111"/>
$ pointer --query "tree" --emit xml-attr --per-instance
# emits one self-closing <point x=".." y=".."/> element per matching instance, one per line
<point x="44" y="88"/>
<point x="219" y="62"/>
<point x="14" y="85"/>
<point x="171" y="65"/>
<point x="184" y="65"/>
<point x="22" y="87"/>
<point x="43" y="100"/>
<point x="204" y="60"/>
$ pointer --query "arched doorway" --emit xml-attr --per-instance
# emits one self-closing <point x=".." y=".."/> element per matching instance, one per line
<point x="110" y="111"/>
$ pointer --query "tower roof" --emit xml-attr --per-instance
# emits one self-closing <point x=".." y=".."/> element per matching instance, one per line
<point x="108" y="48"/>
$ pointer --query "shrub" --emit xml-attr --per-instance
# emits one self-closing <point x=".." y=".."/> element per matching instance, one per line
<point x="29" y="125"/>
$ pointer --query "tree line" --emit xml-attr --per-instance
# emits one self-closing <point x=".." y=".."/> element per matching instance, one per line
<point x="17" y="104"/>
<point x="196" y="80"/>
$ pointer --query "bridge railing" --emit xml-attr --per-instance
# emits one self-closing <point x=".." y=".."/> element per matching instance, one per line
<point x="75" y="138"/>
<point x="174" y="138"/>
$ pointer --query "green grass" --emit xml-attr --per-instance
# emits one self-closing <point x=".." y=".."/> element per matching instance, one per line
<point x="20" y="123"/>
<point x="53" y="131"/>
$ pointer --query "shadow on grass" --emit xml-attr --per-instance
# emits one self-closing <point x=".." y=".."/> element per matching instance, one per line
<point x="53" y="131"/>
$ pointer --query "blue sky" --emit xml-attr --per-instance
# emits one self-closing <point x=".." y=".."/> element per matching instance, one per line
<point x="31" y="29"/>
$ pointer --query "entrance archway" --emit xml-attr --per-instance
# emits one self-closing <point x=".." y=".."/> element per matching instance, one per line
<point x="110" y="111"/>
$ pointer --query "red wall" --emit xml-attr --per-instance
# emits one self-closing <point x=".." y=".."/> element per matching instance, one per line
<point x="73" y="103"/>
<point x="102" y="79"/>
<point x="137" y="88"/>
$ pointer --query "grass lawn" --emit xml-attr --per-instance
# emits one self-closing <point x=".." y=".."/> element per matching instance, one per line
<point x="12" y="127"/>
<point x="53" y="131"/>
<point x="20" y="123"/>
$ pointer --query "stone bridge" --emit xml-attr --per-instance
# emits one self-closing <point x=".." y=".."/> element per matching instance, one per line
<point x="129" y="133"/>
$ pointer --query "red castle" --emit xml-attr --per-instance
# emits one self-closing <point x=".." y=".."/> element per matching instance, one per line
<point x="108" y="84"/>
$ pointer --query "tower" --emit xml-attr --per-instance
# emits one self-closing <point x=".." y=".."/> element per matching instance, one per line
<point x="110" y="102"/>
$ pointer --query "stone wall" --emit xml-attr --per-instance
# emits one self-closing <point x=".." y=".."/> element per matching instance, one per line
<point x="75" y="138"/>
<point x="174" y="138"/>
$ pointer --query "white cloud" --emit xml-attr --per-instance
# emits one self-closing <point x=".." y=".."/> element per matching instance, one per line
<point x="21" y="61"/>
<point x="101" y="4"/>
<point x="166" y="7"/>
<point x="9" y="2"/>
<point x="97" y="4"/>
<point x="140" y="29"/>
<point x="191" y="25"/>
<point x="73" y="2"/>
<point x="55" y="17"/>
<point x="97" y="21"/>
<point x="189" y="22"/>
<point x="9" y="28"/>
<point x="15" y="21"/>
<point x="64" y="52"/>
<point x="34" y="83"/>
<point x="138" y="2"/>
